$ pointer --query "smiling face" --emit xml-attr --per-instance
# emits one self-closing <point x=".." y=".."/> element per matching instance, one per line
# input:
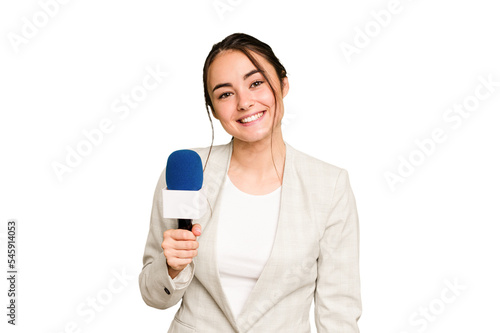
<point x="242" y="98"/>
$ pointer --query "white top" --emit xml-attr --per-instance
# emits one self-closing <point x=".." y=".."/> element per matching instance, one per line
<point x="245" y="237"/>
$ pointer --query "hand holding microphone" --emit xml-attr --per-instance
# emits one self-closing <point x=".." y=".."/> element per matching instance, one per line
<point x="180" y="247"/>
<point x="182" y="200"/>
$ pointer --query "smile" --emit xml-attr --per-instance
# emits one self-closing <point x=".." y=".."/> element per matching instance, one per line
<point x="251" y="118"/>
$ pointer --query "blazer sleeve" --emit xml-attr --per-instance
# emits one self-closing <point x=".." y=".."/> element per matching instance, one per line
<point x="337" y="296"/>
<point x="157" y="288"/>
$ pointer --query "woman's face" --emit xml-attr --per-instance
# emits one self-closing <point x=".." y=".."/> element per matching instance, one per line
<point x="243" y="101"/>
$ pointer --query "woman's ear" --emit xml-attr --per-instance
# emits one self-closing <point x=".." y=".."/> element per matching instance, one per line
<point x="284" y="86"/>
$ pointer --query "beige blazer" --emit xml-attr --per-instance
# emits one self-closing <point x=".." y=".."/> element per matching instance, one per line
<point x="314" y="256"/>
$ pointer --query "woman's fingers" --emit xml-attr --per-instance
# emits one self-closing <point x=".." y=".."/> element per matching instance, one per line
<point x="180" y="246"/>
<point x="178" y="264"/>
<point x="181" y="254"/>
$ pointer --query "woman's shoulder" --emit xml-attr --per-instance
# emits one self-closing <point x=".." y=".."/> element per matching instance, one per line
<point x="313" y="167"/>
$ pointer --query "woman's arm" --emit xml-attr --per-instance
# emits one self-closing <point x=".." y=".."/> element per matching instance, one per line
<point x="158" y="289"/>
<point x="337" y="295"/>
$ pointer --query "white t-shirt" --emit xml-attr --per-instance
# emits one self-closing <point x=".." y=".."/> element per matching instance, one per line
<point x="245" y="236"/>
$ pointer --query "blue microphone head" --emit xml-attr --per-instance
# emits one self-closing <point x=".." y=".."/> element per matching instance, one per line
<point x="184" y="171"/>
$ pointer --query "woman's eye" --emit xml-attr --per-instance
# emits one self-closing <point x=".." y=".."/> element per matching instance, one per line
<point x="257" y="83"/>
<point x="224" y="95"/>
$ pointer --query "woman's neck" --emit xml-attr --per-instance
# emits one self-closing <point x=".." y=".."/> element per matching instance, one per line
<point x="258" y="160"/>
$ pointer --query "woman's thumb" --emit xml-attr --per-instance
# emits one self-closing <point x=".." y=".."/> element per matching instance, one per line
<point x="196" y="229"/>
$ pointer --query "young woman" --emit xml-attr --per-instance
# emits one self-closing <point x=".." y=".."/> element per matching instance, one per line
<point x="283" y="228"/>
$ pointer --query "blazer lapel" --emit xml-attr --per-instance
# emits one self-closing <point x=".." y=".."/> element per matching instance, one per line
<point x="207" y="271"/>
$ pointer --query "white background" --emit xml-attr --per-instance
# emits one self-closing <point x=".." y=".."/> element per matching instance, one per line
<point x="76" y="233"/>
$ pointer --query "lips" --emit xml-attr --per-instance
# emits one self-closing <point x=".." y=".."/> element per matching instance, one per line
<point x="252" y="117"/>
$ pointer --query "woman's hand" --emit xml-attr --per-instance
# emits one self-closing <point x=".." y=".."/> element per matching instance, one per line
<point x="180" y="247"/>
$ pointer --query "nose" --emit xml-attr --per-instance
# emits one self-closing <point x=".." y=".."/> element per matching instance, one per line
<point x="245" y="101"/>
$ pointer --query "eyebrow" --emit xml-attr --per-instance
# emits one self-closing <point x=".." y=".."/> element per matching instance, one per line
<point x="246" y="76"/>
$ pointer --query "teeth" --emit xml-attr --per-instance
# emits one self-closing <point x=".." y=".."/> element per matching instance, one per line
<point x="252" y="118"/>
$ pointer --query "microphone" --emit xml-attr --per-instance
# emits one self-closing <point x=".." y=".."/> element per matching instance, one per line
<point x="183" y="198"/>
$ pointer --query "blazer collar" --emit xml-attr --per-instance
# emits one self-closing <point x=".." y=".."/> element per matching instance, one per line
<point x="207" y="271"/>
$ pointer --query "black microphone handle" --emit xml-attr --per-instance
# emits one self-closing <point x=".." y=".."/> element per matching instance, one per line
<point x="186" y="224"/>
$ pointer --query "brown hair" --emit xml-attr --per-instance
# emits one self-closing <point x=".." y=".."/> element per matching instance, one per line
<point x="245" y="44"/>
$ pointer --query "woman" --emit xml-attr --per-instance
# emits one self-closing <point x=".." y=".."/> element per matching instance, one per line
<point x="283" y="229"/>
